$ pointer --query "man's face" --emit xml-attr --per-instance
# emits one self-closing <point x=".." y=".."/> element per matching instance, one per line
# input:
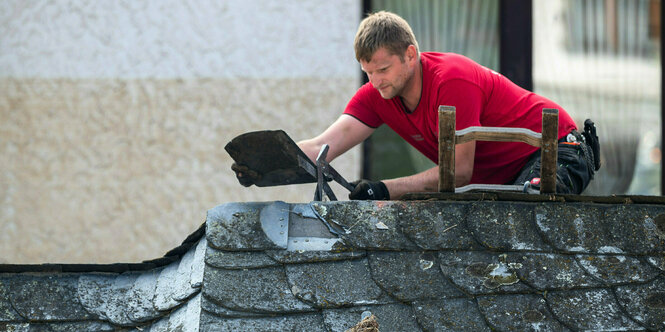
<point x="387" y="73"/>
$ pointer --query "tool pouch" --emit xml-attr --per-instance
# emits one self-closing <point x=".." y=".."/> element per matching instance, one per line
<point x="591" y="139"/>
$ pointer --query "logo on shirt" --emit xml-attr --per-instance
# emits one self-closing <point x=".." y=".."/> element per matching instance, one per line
<point x="418" y="137"/>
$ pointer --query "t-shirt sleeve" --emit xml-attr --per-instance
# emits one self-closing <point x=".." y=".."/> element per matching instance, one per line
<point x="361" y="106"/>
<point x="466" y="97"/>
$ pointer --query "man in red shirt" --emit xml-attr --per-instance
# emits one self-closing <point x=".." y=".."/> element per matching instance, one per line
<point x="405" y="90"/>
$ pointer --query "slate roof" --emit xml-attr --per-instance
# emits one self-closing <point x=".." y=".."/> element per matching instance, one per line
<point x="466" y="263"/>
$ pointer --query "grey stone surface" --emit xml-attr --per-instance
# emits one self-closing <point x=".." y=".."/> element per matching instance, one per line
<point x="519" y="312"/>
<point x="257" y="290"/>
<point x="460" y="314"/>
<point x="590" y="310"/>
<point x="617" y="269"/>
<point x="645" y="303"/>
<point x="551" y="271"/>
<point x="234" y="260"/>
<point x="106" y="296"/>
<point x="573" y="227"/>
<point x="391" y="317"/>
<point x="477" y="272"/>
<point x="505" y="226"/>
<point x="409" y="276"/>
<point x="296" y="257"/>
<point x="7" y="312"/>
<point x="370" y="224"/>
<point x="436" y="225"/>
<point x="334" y="284"/>
<point x="299" y="322"/>
<point x="47" y="298"/>
<point x="237" y="226"/>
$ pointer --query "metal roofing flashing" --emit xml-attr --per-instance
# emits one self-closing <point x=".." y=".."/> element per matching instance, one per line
<point x="467" y="262"/>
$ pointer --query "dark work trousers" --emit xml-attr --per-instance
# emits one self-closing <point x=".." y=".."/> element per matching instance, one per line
<point x="573" y="172"/>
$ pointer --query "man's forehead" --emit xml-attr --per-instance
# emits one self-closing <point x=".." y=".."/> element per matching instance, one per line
<point x="380" y="57"/>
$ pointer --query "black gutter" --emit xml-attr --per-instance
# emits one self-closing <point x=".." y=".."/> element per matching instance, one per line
<point x="516" y="41"/>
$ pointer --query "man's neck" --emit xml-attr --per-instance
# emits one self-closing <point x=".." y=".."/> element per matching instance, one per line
<point x="413" y="89"/>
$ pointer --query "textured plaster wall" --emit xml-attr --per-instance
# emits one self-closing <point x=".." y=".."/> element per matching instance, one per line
<point x="114" y="115"/>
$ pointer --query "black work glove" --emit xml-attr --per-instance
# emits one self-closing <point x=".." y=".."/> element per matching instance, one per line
<point x="369" y="190"/>
<point x="246" y="176"/>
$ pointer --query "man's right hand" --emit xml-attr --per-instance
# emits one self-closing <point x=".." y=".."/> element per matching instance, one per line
<point x="246" y="176"/>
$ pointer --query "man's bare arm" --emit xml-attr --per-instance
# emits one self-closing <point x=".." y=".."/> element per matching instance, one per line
<point x="341" y="136"/>
<point x="428" y="180"/>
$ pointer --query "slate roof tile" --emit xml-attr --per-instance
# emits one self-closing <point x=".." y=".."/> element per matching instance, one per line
<point x="186" y="318"/>
<point x="432" y="265"/>
<point x="459" y="314"/>
<point x="297" y="322"/>
<point x="369" y="224"/>
<point x="576" y="228"/>
<point x="47" y="298"/>
<point x="505" y="226"/>
<point x="524" y="312"/>
<point x="409" y="276"/>
<point x="436" y="225"/>
<point x="139" y="298"/>
<point x="645" y="302"/>
<point x="237" y="226"/>
<point x="334" y="284"/>
<point x="637" y="229"/>
<point x="617" y="269"/>
<point x="216" y="309"/>
<point x="478" y="272"/>
<point x="105" y="296"/>
<point x="64" y="327"/>
<point x="163" y="300"/>
<point x="551" y="271"/>
<point x="234" y="260"/>
<point x="657" y="261"/>
<point x="590" y="309"/>
<point x="297" y="257"/>
<point x="391" y="317"/>
<point x="257" y="290"/>
<point x="7" y="312"/>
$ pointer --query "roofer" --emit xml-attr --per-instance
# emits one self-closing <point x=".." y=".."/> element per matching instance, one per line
<point x="405" y="90"/>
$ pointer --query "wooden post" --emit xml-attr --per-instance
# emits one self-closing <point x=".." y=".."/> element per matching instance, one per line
<point x="447" y="149"/>
<point x="548" y="150"/>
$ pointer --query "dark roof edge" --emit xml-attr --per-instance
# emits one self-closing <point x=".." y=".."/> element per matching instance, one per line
<point x="171" y="256"/>
<point x="520" y="197"/>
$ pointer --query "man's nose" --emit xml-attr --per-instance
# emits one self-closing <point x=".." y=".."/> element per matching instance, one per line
<point x="374" y="79"/>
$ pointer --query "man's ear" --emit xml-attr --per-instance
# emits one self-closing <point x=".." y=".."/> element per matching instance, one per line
<point x="411" y="52"/>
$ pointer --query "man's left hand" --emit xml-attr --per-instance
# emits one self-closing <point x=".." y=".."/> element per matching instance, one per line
<point x="369" y="190"/>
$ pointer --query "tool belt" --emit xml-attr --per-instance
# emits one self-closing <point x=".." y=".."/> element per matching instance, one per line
<point x="588" y="141"/>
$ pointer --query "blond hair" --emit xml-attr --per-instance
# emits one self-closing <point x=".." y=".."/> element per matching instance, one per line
<point x="383" y="29"/>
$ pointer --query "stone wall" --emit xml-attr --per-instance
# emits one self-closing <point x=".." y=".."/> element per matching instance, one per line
<point x="113" y="116"/>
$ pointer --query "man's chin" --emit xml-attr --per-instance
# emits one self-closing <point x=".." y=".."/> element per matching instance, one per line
<point x="386" y="95"/>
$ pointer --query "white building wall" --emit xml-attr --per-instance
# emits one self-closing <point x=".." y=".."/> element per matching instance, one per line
<point x="114" y="114"/>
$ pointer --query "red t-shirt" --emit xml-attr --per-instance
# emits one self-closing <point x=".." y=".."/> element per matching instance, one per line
<point x="482" y="97"/>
